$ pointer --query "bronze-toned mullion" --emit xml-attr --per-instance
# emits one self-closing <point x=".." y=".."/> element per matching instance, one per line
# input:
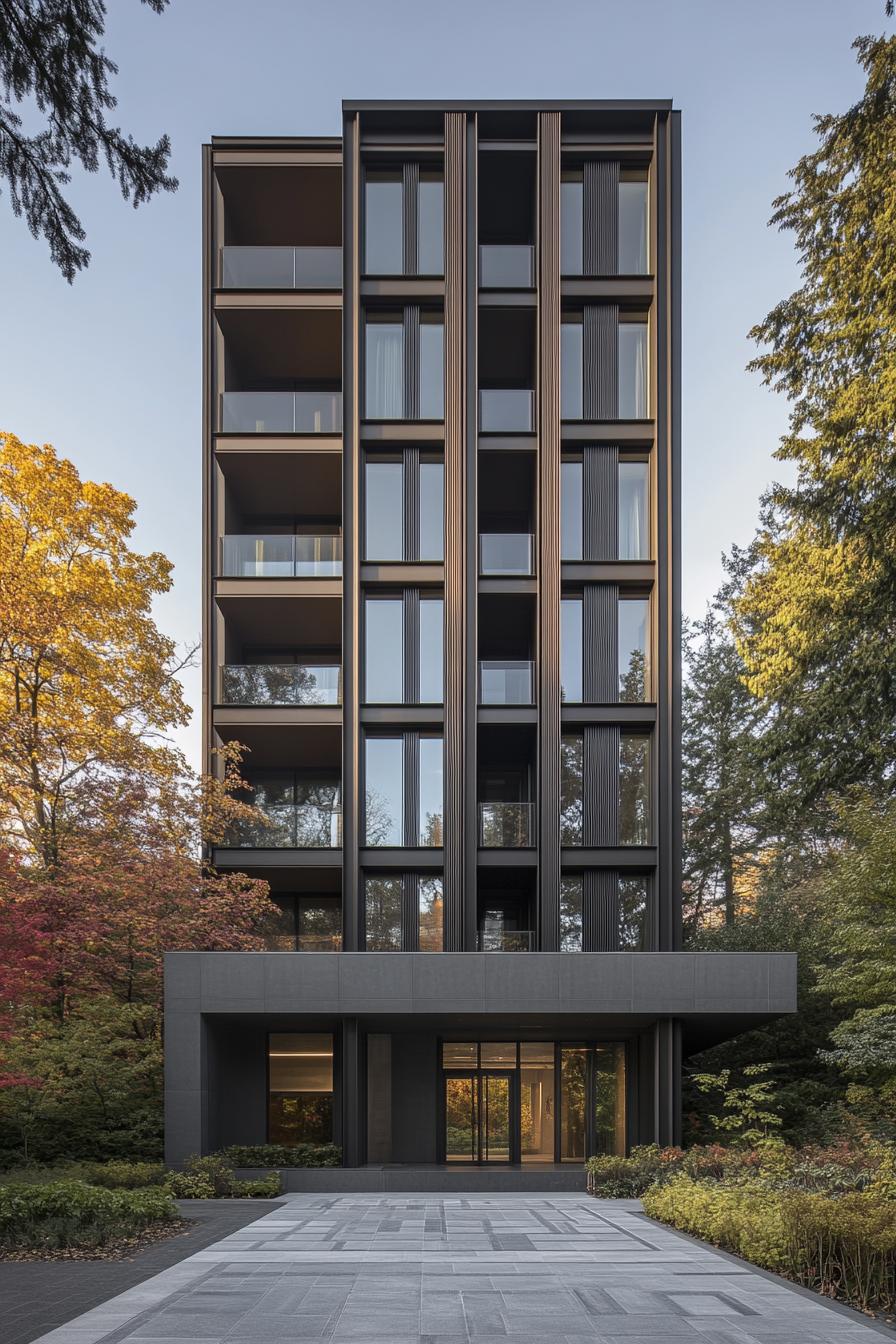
<point x="410" y="932"/>
<point x="411" y="797"/>
<point x="411" y="503"/>
<point x="410" y="179"/>
<point x="412" y="362"/>
<point x="411" y="641"/>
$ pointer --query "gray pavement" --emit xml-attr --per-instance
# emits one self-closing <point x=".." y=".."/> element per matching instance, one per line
<point x="431" y="1269"/>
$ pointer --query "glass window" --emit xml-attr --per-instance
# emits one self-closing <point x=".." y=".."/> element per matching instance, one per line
<point x="571" y="356"/>
<point x="384" y="370"/>
<point x="432" y="377"/>
<point x="319" y="923"/>
<point x="632" y="371"/>
<point x="571" y="650"/>
<point x="573" y="1083"/>
<point x="571" y="219"/>
<point x="571" y="476"/>
<point x="431" y="651"/>
<point x="609" y="1100"/>
<point x="383" y="224"/>
<point x="430" y="225"/>
<point x="633" y="934"/>
<point x="634" y="542"/>
<point x="383" y="511"/>
<point x="571" y="789"/>
<point x="537" y="1101"/>
<point x="632" y="226"/>
<point x="383" y="651"/>
<point x="497" y="1054"/>
<point x="430" y="908"/>
<point x="634" y="649"/>
<point x="382" y="914"/>
<point x="634" y="789"/>
<point x="300" y="1082"/>
<point x="571" y="914"/>
<point x="431" y="793"/>
<point x="384" y="791"/>
<point x="432" y="511"/>
<point x="460" y="1054"/>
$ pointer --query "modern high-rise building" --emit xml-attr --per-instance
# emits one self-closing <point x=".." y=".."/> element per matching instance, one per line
<point x="441" y="458"/>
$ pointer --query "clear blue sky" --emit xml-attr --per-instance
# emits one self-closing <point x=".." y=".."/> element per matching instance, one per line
<point x="109" y="370"/>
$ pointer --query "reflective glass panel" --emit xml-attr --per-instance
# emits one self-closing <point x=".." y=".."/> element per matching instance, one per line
<point x="632" y="234"/>
<point x="431" y="794"/>
<point x="573" y="1082"/>
<point x="632" y="371"/>
<point x="571" y="789"/>
<point x="571" y="474"/>
<point x="634" y="789"/>
<point x="571" y="220"/>
<point x="430" y="225"/>
<point x="430" y="910"/>
<point x="609" y="1100"/>
<point x="497" y="1054"/>
<point x="384" y="793"/>
<point x="634" y="649"/>
<point x="383" y="247"/>
<point x="432" y="378"/>
<point x="431" y="651"/>
<point x="571" y="913"/>
<point x="432" y="511"/>
<point x="384" y="371"/>
<point x="495" y="1118"/>
<point x="571" y="370"/>
<point x="382" y="913"/>
<point x="537" y="1101"/>
<point x="634" y="540"/>
<point x="571" y="650"/>
<point x="460" y="1054"/>
<point x="633" y="934"/>
<point x="383" y="511"/>
<point x="383" y="647"/>
<point x="462" y="1119"/>
<point x="300" y="1081"/>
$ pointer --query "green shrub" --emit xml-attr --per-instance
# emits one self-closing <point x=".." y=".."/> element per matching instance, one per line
<point x="72" y="1213"/>
<point x="629" y="1177"/>
<point x="283" y="1155"/>
<point x="125" y="1175"/>
<point x="844" y="1246"/>
<point x="212" y="1177"/>
<point x="183" y="1185"/>
<point x="262" y="1187"/>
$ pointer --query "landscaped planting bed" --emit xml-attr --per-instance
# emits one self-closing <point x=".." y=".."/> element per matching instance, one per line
<point x="71" y="1219"/>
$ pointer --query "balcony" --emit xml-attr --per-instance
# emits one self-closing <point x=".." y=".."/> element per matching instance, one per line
<point x="281" y="557"/>
<point x="305" y="412"/>
<point x="506" y="410"/>
<point x="506" y="266"/>
<point x="281" y="684"/>
<point x="505" y="682"/>
<point x="505" y="553"/>
<point x="505" y="940"/>
<point x="304" y="942"/>
<point x="290" y="826"/>
<point x="505" y="825"/>
<point x="281" y="267"/>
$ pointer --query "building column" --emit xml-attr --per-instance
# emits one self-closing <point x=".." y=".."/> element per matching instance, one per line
<point x="548" y="530"/>
<point x="352" y="1094"/>
<point x="351" y="532"/>
<point x="667" y="1082"/>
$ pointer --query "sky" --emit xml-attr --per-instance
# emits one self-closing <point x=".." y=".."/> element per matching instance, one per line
<point x="108" y="370"/>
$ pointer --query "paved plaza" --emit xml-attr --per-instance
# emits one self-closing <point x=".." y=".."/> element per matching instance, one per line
<point x="431" y="1269"/>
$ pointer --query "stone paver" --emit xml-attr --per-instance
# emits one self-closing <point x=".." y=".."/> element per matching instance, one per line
<point x="526" y="1269"/>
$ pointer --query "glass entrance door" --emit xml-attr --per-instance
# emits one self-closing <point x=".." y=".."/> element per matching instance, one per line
<point x="479" y="1113"/>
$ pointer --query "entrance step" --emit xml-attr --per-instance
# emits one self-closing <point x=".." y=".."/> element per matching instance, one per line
<point x="430" y="1179"/>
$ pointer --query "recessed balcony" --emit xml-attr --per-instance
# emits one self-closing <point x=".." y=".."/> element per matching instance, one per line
<point x="281" y="557"/>
<point x="506" y="266"/>
<point x="505" y="825"/>
<point x="506" y="410"/>
<point x="507" y="554"/>
<point x="281" y="684"/>
<point x="500" y="939"/>
<point x="281" y="267"/>
<point x="303" y="942"/>
<point x="301" y="412"/>
<point x="289" y="826"/>
<point x="505" y="681"/>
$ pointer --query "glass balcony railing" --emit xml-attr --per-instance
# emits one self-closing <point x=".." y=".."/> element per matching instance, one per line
<point x="281" y="684"/>
<point x="303" y="942"/>
<point x="506" y="940"/>
<point x="247" y="556"/>
<point x="290" y="826"/>
<point x="505" y="553"/>
<point x="506" y="410"/>
<point x="506" y="266"/>
<point x="505" y="825"/>
<point x="505" y="682"/>
<point x="281" y="267"/>
<point x="305" y="412"/>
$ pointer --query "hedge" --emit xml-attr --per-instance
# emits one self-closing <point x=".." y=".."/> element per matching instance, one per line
<point x="72" y="1213"/>
<point x="844" y="1247"/>
<point x="281" y="1155"/>
<point x="213" y="1177"/>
